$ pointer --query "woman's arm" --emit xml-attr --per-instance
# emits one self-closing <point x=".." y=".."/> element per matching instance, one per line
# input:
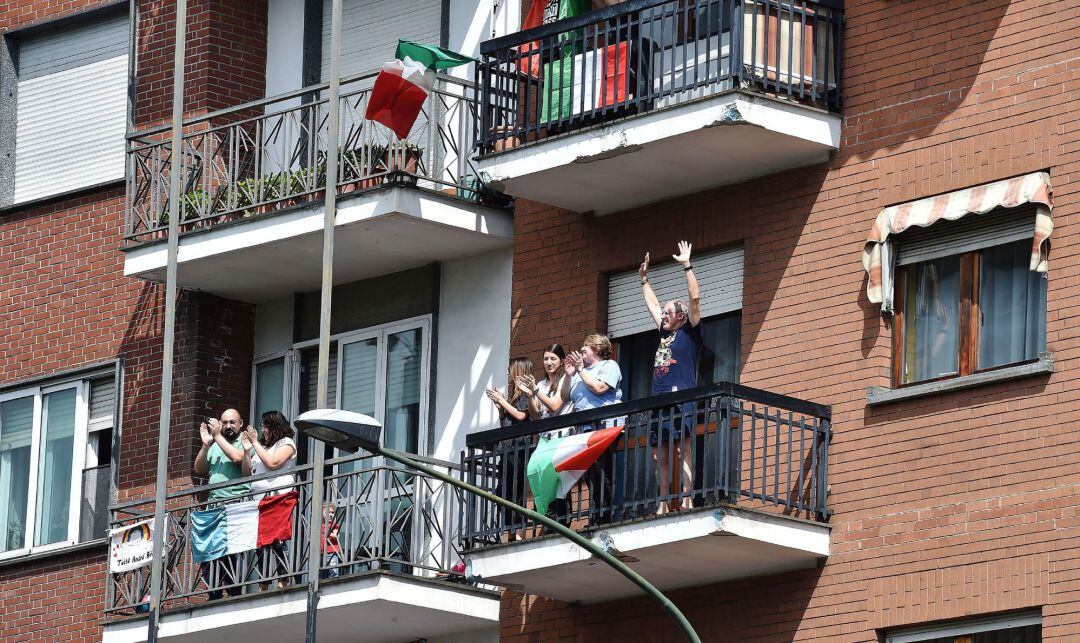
<point x="276" y="458"/>
<point x="500" y="401"/>
<point x="555" y="402"/>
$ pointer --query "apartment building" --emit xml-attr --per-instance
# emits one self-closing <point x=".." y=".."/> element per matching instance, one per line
<point x="880" y="431"/>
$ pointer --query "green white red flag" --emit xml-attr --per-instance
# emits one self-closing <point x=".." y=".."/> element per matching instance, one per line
<point x="558" y="463"/>
<point x="404" y="84"/>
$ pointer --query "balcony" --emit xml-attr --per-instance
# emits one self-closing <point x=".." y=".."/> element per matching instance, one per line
<point x="394" y="573"/>
<point x="759" y="481"/>
<point x="650" y="99"/>
<point x="254" y="181"/>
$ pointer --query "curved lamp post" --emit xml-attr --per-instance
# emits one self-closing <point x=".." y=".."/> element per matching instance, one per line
<point x="351" y="431"/>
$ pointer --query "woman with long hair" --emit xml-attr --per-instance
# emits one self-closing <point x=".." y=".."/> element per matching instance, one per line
<point x="514" y="407"/>
<point x="274" y="450"/>
<point x="552" y="394"/>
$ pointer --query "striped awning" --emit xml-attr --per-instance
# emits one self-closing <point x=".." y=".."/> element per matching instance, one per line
<point x="1032" y="188"/>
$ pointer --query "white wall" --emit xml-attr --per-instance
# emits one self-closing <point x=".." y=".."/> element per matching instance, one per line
<point x="474" y="21"/>
<point x="473" y="347"/>
<point x="273" y="326"/>
<point x="284" y="46"/>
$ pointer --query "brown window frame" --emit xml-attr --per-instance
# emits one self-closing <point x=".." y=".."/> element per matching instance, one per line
<point x="968" y="318"/>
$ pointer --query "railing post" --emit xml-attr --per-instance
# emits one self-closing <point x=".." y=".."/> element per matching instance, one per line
<point x="821" y="474"/>
<point x="733" y="444"/>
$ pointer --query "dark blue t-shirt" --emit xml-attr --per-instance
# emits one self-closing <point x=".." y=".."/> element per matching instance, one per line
<point x="676" y="363"/>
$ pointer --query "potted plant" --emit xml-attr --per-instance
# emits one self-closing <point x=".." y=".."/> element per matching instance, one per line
<point x="361" y="167"/>
<point x="403" y="161"/>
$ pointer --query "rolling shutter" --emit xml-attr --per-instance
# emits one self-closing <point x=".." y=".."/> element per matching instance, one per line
<point x="947" y="238"/>
<point x="370" y="30"/>
<point x="719" y="275"/>
<point x="71" y="109"/>
<point x="309" y="362"/>
<point x="102" y="404"/>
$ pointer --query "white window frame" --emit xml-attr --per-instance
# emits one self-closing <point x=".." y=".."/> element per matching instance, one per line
<point x="382" y="332"/>
<point x="288" y="383"/>
<point x="78" y="460"/>
<point x="915" y="635"/>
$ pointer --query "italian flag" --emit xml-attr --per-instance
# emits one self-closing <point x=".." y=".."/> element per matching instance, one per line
<point x="558" y="463"/>
<point x="404" y="84"/>
<point x="241" y="526"/>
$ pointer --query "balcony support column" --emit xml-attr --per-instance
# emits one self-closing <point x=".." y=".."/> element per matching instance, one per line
<point x="333" y="114"/>
<point x="169" y="331"/>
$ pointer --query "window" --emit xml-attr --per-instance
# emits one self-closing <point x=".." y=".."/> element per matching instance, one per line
<point x="719" y="274"/>
<point x="55" y="464"/>
<point x="1014" y="628"/>
<point x="966" y="299"/>
<point x="719" y="361"/>
<point x="70" y="106"/>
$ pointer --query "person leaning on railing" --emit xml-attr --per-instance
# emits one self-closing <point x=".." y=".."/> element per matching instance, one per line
<point x="674" y="368"/>
<point x="273" y="451"/>
<point x="514" y="408"/>
<point x="220" y="460"/>
<point x="595" y="379"/>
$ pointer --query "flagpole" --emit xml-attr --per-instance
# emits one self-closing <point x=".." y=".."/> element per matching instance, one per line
<point x="315" y="537"/>
<point x="571" y="535"/>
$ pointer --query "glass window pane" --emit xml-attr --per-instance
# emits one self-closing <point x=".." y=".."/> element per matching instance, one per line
<point x="720" y="354"/>
<point x="403" y="360"/>
<point x="635" y="355"/>
<point x="359" y="376"/>
<point x="1012" y="303"/>
<point x="54" y="472"/>
<point x="16" y="429"/>
<point x="269" y="388"/>
<point x="931" y="320"/>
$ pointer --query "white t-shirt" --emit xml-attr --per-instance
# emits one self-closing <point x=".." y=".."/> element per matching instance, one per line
<point x="545" y="412"/>
<point x="257" y="467"/>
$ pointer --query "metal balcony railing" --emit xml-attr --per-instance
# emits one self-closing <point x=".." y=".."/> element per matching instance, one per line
<point x="749" y="447"/>
<point x="383" y="517"/>
<point x="267" y="155"/>
<point x="641" y="56"/>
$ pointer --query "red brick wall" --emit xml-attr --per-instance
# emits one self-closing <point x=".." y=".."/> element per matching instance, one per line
<point x="225" y="57"/>
<point x="949" y="505"/>
<point x="65" y="304"/>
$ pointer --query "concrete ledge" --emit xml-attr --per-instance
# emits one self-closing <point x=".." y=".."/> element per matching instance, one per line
<point x="876" y="395"/>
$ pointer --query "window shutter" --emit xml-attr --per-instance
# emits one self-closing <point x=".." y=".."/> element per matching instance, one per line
<point x="370" y="30"/>
<point x="719" y="275"/>
<point x="71" y="109"/>
<point x="973" y="232"/>
<point x="102" y="404"/>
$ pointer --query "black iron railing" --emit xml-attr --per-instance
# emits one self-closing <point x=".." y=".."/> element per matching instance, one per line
<point x="747" y="446"/>
<point x="260" y="157"/>
<point x="380" y="516"/>
<point x="643" y="55"/>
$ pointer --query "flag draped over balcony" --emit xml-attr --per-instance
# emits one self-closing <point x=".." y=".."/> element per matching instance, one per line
<point x="404" y="84"/>
<point x="241" y="526"/>
<point x="558" y="463"/>
<point x="558" y="87"/>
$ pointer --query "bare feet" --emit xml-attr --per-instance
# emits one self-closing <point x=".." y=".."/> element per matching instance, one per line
<point x="662" y="508"/>
<point x="687" y="504"/>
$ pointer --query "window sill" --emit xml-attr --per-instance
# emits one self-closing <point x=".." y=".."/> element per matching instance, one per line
<point x="876" y="395"/>
<point x="54" y="553"/>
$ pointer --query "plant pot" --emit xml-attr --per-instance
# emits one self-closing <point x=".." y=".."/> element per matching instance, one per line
<point x="401" y="163"/>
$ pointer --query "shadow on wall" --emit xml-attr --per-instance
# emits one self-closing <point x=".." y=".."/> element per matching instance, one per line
<point x="921" y="68"/>
<point x="721" y="612"/>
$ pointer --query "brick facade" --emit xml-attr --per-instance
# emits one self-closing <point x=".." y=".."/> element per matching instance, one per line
<point x="65" y="305"/>
<point x="947" y="506"/>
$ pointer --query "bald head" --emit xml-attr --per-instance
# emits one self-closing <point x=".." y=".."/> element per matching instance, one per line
<point x="231" y="423"/>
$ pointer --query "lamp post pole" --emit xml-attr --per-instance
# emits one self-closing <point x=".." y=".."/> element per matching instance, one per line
<point x="563" y="531"/>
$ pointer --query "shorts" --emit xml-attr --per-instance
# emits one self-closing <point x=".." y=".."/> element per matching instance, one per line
<point x="662" y="421"/>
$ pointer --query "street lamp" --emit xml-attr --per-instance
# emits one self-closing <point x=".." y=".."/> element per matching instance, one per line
<point x="351" y="431"/>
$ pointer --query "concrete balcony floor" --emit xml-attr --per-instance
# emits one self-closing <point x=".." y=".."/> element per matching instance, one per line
<point x="378" y="232"/>
<point x="685" y="549"/>
<point x="375" y="608"/>
<point x="723" y="139"/>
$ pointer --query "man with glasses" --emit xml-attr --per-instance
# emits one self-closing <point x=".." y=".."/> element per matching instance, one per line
<point x="672" y="430"/>
<point x="220" y="460"/>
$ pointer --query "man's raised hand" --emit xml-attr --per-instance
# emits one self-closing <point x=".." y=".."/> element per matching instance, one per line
<point x="643" y="270"/>
<point x="204" y="434"/>
<point x="684" y="254"/>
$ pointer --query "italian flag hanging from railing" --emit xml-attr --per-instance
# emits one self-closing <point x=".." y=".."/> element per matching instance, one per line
<point x="404" y="84"/>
